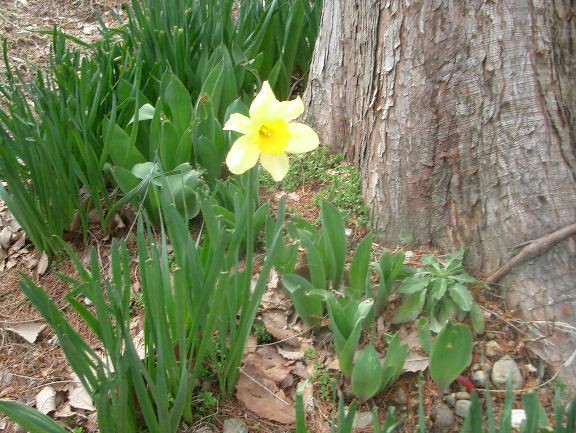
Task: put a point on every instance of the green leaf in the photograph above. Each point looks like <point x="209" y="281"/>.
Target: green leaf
<point x="146" y="112"/>
<point x="536" y="418"/>
<point x="412" y="285"/>
<point x="411" y="307"/>
<point x="451" y="353"/>
<point x="462" y="296"/>
<point x="176" y="101"/>
<point x="169" y="141"/>
<point x="477" y="318"/>
<point x="424" y="334"/>
<point x="122" y="152"/>
<point x="335" y="234"/>
<point x="393" y="362"/>
<point x="308" y="303"/>
<point x="30" y="419"/>
<point x="359" y="275"/>
<point x="438" y="289"/>
<point x="365" y="374"/>
<point x="315" y="264"/>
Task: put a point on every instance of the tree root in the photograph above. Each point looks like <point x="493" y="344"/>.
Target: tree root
<point x="533" y="249"/>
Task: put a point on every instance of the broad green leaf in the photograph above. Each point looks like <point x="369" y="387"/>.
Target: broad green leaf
<point x="146" y="112"/>
<point x="438" y="288"/>
<point x="536" y="419"/>
<point x="462" y="296"/>
<point x="169" y="141"/>
<point x="122" y="152"/>
<point x="451" y="353"/>
<point x="176" y="102"/>
<point x="411" y="307"/>
<point x="30" y="419"/>
<point x="359" y="268"/>
<point x="424" y="334"/>
<point x="393" y="362"/>
<point x="315" y="264"/>
<point x="477" y="318"/>
<point x="366" y="373"/>
<point x="412" y="285"/>
<point x="308" y="305"/>
<point x="335" y="235"/>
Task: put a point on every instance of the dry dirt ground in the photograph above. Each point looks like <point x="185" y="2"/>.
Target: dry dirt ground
<point x="30" y="359"/>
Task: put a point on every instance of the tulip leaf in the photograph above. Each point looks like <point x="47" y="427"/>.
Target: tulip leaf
<point x="365" y="374"/>
<point x="308" y="303"/>
<point x="359" y="267"/>
<point x="334" y="233"/>
<point x="451" y="353"/>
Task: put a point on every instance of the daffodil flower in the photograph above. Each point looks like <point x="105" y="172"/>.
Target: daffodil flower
<point x="269" y="135"/>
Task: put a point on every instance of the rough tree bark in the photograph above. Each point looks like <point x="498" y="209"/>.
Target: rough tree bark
<point x="461" y="118"/>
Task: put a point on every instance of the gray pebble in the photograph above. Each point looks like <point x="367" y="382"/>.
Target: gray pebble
<point x="450" y="399"/>
<point x="443" y="418"/>
<point x="462" y="408"/>
<point x="400" y="397"/>
<point x="480" y="379"/>
<point x="492" y="349"/>
<point x="362" y="420"/>
<point x="233" y="425"/>
<point x="504" y="369"/>
<point x="462" y="395"/>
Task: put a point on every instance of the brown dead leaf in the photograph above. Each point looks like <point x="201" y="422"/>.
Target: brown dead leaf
<point x="3" y="254"/>
<point x="2" y="423"/>
<point x="65" y="412"/>
<point x="265" y="399"/>
<point x="5" y="237"/>
<point x="42" y="264"/>
<point x="415" y="362"/>
<point x="289" y="355"/>
<point x="267" y="363"/>
<point x="28" y="331"/>
<point x="16" y="246"/>
<point x="46" y="400"/>
<point x="275" y="322"/>
<point x="80" y="399"/>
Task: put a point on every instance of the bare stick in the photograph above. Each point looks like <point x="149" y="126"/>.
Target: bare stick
<point x="534" y="249"/>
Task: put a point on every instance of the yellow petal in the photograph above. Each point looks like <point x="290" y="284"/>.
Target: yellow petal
<point x="302" y="138"/>
<point x="239" y="123"/>
<point x="275" y="164"/>
<point x="290" y="110"/>
<point x="265" y="103"/>
<point x="243" y="155"/>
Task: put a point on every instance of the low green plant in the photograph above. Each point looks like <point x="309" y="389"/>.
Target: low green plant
<point x="261" y="333"/>
<point x="324" y="382"/>
<point x="371" y="376"/>
<point x="439" y="291"/>
<point x="192" y="318"/>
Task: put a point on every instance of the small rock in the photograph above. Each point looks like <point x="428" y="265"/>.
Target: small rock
<point x="450" y="399"/>
<point x="462" y="395"/>
<point x="409" y="254"/>
<point x="462" y="408"/>
<point x="530" y="369"/>
<point x="504" y="369"/>
<point x="400" y="397"/>
<point x="480" y="379"/>
<point x="363" y="420"/>
<point x="492" y="349"/>
<point x="518" y="415"/>
<point x="443" y="418"/>
<point x="233" y="425"/>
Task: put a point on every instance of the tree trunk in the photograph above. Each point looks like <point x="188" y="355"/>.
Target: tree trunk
<point x="461" y="118"/>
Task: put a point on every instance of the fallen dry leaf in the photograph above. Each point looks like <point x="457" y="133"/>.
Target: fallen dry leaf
<point x="28" y="331"/>
<point x="275" y="322"/>
<point x="265" y="399"/>
<point x="65" y="411"/>
<point x="42" y="264"/>
<point x="46" y="400"/>
<point x="289" y="355"/>
<point x="2" y="424"/>
<point x="5" y="237"/>
<point x="266" y="362"/>
<point x="416" y="362"/>
<point x="80" y="399"/>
